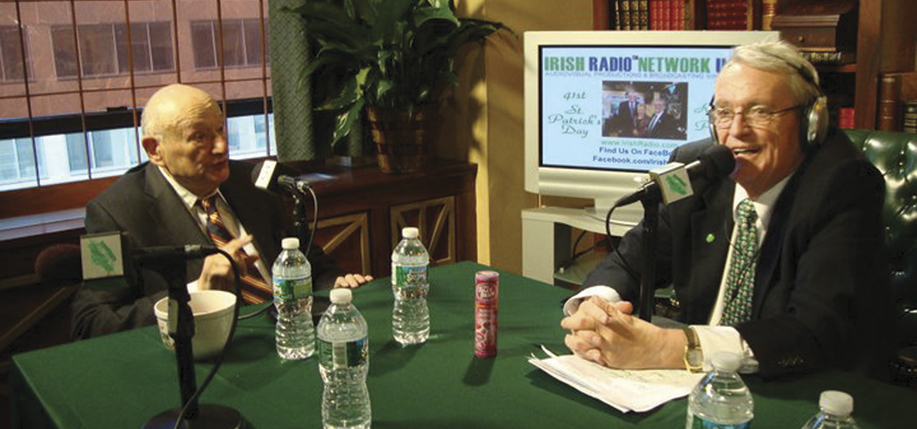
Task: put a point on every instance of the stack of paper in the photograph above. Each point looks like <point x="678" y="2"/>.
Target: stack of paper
<point x="626" y="390"/>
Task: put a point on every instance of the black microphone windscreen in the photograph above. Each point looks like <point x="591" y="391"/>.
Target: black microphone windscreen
<point x="718" y="160"/>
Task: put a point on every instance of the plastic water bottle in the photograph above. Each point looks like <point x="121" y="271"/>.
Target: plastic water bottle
<point x="343" y="361"/>
<point x="410" y="316"/>
<point x="836" y="408"/>
<point x="721" y="399"/>
<point x="292" y="278"/>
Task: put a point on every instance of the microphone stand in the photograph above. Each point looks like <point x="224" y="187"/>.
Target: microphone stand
<point x="181" y="330"/>
<point x="648" y="277"/>
<point x="300" y="219"/>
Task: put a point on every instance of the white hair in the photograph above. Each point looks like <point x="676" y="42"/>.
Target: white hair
<point x="780" y="57"/>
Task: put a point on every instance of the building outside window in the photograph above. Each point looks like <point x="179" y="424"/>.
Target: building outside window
<point x="241" y="43"/>
<point x="104" y="49"/>
<point x="11" y="69"/>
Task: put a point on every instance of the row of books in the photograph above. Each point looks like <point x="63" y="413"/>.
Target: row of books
<point x="676" y="14"/>
<point x="897" y="103"/>
<point x="667" y="15"/>
<point x="910" y="116"/>
<point x="649" y="14"/>
<point x="845" y="117"/>
<point x="728" y="15"/>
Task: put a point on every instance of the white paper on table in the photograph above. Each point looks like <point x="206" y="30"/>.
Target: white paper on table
<point x="625" y="390"/>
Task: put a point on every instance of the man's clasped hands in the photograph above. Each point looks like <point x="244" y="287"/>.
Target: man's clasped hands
<point x="608" y="334"/>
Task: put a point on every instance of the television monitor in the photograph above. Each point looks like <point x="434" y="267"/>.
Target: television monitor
<point x="581" y="138"/>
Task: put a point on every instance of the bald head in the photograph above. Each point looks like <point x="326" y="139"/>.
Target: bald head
<point x="165" y="109"/>
<point x="183" y="132"/>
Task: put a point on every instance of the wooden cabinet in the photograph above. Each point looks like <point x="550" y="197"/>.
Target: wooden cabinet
<point x="884" y="44"/>
<point x="362" y="211"/>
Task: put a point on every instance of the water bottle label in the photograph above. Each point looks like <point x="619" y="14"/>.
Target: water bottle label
<point x="412" y="281"/>
<point x="290" y="289"/>
<point x="699" y="423"/>
<point x="343" y="355"/>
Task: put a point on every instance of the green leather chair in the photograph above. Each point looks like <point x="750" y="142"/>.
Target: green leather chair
<point x="895" y="155"/>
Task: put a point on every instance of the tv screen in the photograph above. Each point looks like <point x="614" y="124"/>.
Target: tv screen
<point x="603" y="108"/>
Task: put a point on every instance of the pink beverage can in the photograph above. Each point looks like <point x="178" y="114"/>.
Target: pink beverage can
<point x="486" y="287"/>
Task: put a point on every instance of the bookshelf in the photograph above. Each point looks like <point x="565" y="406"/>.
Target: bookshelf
<point x="885" y="43"/>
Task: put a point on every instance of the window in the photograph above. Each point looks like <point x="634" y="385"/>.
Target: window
<point x="91" y="66"/>
<point x="11" y="69"/>
<point x="104" y="49"/>
<point x="241" y="43"/>
<point x="17" y="161"/>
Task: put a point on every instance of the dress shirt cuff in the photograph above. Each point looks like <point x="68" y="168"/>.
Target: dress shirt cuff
<point x="715" y="339"/>
<point x="607" y="293"/>
<point x="192" y="287"/>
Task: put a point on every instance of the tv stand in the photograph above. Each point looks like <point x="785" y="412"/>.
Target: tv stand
<point x="546" y="235"/>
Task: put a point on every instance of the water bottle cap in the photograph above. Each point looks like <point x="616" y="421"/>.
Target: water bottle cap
<point x="341" y="296"/>
<point x="290" y="243"/>
<point x="726" y="361"/>
<point x="410" y="232"/>
<point x="836" y="402"/>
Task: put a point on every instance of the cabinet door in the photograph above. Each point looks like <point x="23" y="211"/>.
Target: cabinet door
<point x="346" y="240"/>
<point x="436" y="221"/>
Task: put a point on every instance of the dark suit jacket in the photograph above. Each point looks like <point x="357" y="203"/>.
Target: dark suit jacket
<point x="625" y="119"/>
<point x="821" y="296"/>
<point x="143" y="204"/>
<point x="665" y="128"/>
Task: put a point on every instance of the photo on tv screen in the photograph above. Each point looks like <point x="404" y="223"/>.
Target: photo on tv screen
<point x="644" y="109"/>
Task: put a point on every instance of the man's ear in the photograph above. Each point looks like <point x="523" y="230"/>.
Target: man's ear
<point x="152" y="145"/>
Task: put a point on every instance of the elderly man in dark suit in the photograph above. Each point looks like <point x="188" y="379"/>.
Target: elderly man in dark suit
<point x="168" y="201"/>
<point x="784" y="264"/>
<point x="625" y="121"/>
<point x="662" y="125"/>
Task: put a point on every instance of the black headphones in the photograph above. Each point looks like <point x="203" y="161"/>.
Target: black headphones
<point x="813" y="124"/>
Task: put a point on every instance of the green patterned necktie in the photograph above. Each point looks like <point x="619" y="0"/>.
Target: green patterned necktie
<point x="741" y="280"/>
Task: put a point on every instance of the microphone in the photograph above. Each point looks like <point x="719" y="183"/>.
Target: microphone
<point x="188" y="251"/>
<point x="271" y="176"/>
<point x="674" y="180"/>
<point x="110" y="255"/>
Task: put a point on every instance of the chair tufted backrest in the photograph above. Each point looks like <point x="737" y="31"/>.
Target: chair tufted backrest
<point x="895" y="155"/>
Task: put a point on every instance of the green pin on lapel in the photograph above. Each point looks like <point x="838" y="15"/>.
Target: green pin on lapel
<point x="710" y="238"/>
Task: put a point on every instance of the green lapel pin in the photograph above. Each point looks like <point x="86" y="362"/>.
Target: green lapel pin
<point x="710" y="238"/>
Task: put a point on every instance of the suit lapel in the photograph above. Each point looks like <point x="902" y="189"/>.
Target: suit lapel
<point x="170" y="216"/>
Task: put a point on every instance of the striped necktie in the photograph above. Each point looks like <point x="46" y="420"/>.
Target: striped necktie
<point x="741" y="278"/>
<point x="254" y="289"/>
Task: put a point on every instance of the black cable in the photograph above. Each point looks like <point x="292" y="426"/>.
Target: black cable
<point x="574" y="255"/>
<point x="308" y="244"/>
<point x="627" y="267"/>
<point x="314" y="220"/>
<point x="219" y="359"/>
<point x="255" y="313"/>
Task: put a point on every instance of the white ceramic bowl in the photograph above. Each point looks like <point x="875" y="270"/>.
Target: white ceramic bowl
<point x="213" y="311"/>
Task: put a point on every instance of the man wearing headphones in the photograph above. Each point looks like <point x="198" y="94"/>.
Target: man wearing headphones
<point x="783" y="264"/>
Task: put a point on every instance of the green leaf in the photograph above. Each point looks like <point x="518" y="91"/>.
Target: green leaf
<point x="346" y="120"/>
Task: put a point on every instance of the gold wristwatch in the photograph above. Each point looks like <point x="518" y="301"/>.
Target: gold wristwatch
<point x="694" y="356"/>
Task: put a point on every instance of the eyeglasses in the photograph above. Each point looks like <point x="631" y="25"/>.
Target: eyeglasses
<point x="755" y="116"/>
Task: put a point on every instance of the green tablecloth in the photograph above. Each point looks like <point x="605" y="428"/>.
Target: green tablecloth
<point x="121" y="380"/>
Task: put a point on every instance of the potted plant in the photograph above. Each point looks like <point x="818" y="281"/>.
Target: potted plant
<point x="392" y="57"/>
